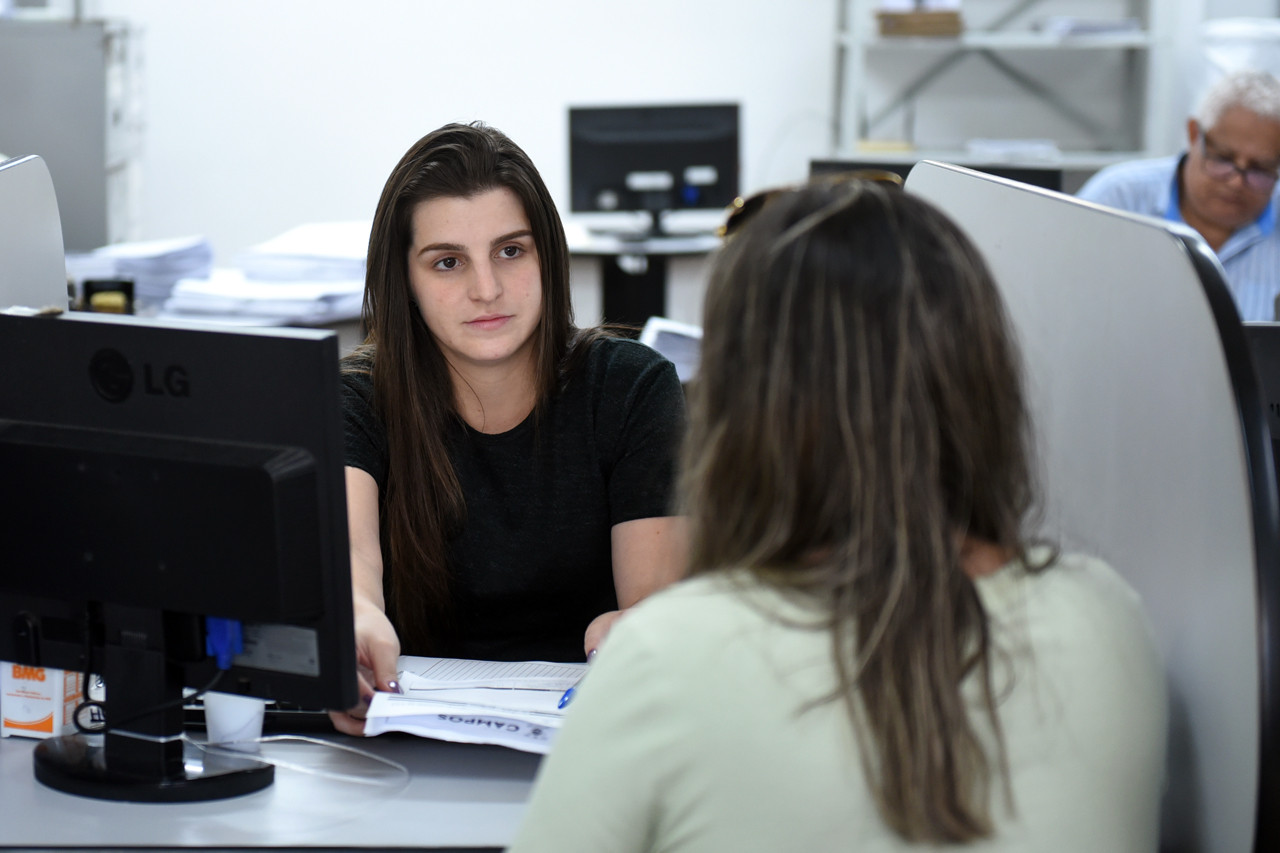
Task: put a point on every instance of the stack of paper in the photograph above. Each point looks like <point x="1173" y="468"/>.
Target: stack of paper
<point x="1014" y="150"/>
<point x="228" y="295"/>
<point x="310" y="275"/>
<point x="154" y="266"/>
<point x="317" y="251"/>
<point x="512" y="704"/>
<point x="1064" y="26"/>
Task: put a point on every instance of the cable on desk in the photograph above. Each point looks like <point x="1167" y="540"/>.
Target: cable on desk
<point x="97" y="711"/>
<point x="400" y="772"/>
<point x="223" y="640"/>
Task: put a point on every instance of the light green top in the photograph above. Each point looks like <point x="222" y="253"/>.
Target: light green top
<point x="691" y="731"/>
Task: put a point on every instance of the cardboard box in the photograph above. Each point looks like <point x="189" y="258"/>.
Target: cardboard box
<point x="923" y="23"/>
<point x="37" y="701"/>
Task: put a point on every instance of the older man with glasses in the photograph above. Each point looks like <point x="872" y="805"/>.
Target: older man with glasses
<point x="1223" y="186"/>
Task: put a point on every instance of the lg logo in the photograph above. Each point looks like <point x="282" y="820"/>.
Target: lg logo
<point x="113" y="377"/>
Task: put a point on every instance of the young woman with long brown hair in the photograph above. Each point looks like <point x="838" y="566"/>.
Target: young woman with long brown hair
<point x="871" y="652"/>
<point x="509" y="476"/>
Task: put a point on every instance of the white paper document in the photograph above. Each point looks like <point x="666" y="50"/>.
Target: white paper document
<point x="230" y="292"/>
<point x="512" y="704"/>
<point x="315" y="251"/>
<point x="154" y="266"/>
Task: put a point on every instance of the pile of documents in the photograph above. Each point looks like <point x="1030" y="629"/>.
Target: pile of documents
<point x="1014" y="150"/>
<point x="228" y="295"/>
<point x="512" y="704"/>
<point x="1065" y="26"/>
<point x="154" y="266"/>
<point x="317" y="251"/>
<point x="311" y="274"/>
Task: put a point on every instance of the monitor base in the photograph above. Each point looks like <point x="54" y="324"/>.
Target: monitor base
<point x="77" y="764"/>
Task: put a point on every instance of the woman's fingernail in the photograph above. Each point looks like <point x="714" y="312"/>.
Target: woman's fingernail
<point x="394" y="687"/>
<point x="591" y="655"/>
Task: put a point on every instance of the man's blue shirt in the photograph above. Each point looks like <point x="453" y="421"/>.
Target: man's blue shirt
<point x="1250" y="257"/>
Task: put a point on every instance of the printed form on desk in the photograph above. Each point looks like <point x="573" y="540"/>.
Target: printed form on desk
<point x="508" y="703"/>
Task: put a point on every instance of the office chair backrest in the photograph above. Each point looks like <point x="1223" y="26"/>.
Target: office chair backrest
<point x="33" y="269"/>
<point x="1156" y="457"/>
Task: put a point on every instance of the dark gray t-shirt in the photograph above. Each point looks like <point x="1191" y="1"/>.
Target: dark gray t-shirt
<point x="532" y="564"/>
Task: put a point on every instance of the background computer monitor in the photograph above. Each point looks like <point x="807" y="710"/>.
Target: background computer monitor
<point x="653" y="159"/>
<point x="156" y="474"/>
<point x="1046" y="177"/>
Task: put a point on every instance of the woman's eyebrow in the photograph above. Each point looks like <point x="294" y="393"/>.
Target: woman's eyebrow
<point x="456" y="247"/>
<point x="514" y="235"/>
<point x="441" y="247"/>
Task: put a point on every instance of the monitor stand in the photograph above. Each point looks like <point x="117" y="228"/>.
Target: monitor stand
<point x="654" y="231"/>
<point x="145" y="760"/>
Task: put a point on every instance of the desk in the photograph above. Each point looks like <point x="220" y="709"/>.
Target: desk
<point x="350" y="331"/>
<point x="633" y="272"/>
<point x="459" y="796"/>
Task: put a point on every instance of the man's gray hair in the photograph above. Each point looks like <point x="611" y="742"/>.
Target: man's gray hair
<point x="1256" y="91"/>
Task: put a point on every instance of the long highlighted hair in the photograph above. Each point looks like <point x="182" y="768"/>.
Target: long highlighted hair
<point x="857" y="416"/>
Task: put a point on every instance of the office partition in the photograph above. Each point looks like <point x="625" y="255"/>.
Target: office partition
<point x="1155" y="456"/>
<point x="33" y="269"/>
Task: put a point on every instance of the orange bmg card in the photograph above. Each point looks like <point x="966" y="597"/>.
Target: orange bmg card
<point x="37" y="701"/>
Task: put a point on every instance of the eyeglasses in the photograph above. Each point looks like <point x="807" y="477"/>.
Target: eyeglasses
<point x="744" y="208"/>
<point x="1222" y="166"/>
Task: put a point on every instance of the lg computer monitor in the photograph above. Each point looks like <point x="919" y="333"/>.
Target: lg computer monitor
<point x="653" y="159"/>
<point x="164" y="483"/>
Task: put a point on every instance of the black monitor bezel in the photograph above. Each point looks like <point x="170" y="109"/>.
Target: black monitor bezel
<point x="239" y="372"/>
<point x="606" y="142"/>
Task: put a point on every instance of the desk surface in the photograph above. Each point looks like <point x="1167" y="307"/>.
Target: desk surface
<point x="457" y="796"/>
<point x="584" y="242"/>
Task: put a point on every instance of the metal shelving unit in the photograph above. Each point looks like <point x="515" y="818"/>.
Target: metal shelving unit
<point x="1004" y="40"/>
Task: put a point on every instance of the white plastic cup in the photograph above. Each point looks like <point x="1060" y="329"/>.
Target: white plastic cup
<point x="234" y="721"/>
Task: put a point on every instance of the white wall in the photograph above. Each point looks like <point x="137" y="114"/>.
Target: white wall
<point x="1242" y="8"/>
<point x="262" y="114"/>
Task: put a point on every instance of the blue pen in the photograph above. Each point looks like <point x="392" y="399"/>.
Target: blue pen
<point x="568" y="694"/>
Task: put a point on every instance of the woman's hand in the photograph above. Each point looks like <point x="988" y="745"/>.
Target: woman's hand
<point x="377" y="651"/>
<point x="596" y="631"/>
<point x="377" y="646"/>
